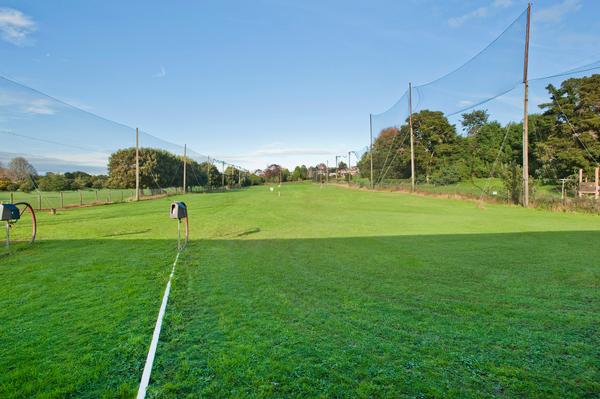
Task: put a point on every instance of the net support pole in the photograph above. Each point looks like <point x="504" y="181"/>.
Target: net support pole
<point x="371" y="146"/>
<point x="184" y="168"/>
<point x="223" y="175"/>
<point x="349" y="175"/>
<point x="137" y="164"/>
<point x="208" y="171"/>
<point x="526" y="114"/>
<point x="412" y="145"/>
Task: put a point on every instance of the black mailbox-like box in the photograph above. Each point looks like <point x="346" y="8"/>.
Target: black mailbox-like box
<point x="178" y="210"/>
<point x="9" y="212"/>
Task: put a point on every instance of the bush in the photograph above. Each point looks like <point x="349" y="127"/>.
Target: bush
<point x="449" y="174"/>
<point x="26" y="185"/>
<point x="5" y="184"/>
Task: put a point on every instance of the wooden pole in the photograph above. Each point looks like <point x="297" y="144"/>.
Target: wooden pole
<point x="223" y="176"/>
<point x="184" y="168"/>
<point x="62" y="200"/>
<point x="208" y="172"/>
<point x="137" y="164"/>
<point x="349" y="175"/>
<point x="597" y="193"/>
<point x="412" y="145"/>
<point x="526" y="114"/>
<point x="371" y="147"/>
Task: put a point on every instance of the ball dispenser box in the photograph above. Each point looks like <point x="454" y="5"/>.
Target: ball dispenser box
<point x="9" y="212"/>
<point x="178" y="210"/>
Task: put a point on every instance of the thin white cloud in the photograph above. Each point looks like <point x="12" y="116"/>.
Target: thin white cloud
<point x="161" y="74"/>
<point x="15" y="27"/>
<point x="27" y="105"/>
<point x="556" y="12"/>
<point x="502" y="3"/>
<point x="39" y="107"/>
<point x="456" y="22"/>
<point x="481" y="12"/>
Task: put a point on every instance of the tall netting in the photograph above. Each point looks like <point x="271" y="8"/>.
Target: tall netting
<point x="389" y="146"/>
<point x="468" y="130"/>
<point x="55" y="155"/>
<point x="496" y="70"/>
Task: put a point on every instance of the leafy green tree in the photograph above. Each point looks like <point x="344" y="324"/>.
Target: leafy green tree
<point x="54" y="182"/>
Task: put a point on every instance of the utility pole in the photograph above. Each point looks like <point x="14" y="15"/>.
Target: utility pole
<point x="371" y="147"/>
<point x="223" y="175"/>
<point x="137" y="164"/>
<point x="349" y="175"/>
<point x="412" y="144"/>
<point x="526" y="114"/>
<point x="184" y="168"/>
<point x="208" y="171"/>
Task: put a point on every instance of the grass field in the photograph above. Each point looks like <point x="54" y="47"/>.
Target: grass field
<point x="319" y="292"/>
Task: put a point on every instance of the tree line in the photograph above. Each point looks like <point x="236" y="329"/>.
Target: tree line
<point x="563" y="137"/>
<point x="158" y="169"/>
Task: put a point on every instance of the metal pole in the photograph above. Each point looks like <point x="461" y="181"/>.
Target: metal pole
<point x="412" y="145"/>
<point x="178" y="234"/>
<point x="526" y="115"/>
<point x="184" y="167"/>
<point x="62" y="200"/>
<point x="7" y="235"/>
<point x="371" y="147"/>
<point x="137" y="164"/>
<point x="327" y="174"/>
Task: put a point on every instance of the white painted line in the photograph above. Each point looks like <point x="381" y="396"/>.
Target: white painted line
<point x="154" y="343"/>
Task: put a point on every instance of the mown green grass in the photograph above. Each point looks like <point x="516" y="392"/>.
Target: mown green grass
<point x="337" y="293"/>
<point x="319" y="292"/>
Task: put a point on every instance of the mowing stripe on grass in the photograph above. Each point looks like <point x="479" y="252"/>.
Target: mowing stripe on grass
<point x="154" y="343"/>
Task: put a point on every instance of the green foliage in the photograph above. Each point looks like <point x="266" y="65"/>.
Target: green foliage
<point x="158" y="169"/>
<point x="564" y="138"/>
<point x="26" y="185"/>
<point x="53" y="182"/>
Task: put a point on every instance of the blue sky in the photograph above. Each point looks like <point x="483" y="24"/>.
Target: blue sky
<point x="256" y="82"/>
